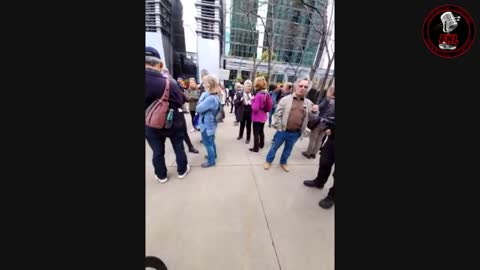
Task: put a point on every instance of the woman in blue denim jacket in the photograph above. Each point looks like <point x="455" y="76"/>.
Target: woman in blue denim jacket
<point x="208" y="106"/>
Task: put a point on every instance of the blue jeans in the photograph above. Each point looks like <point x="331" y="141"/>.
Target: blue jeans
<point x="270" y="115"/>
<point x="209" y="143"/>
<point x="287" y="137"/>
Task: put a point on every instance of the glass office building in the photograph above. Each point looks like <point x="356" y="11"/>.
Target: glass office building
<point x="285" y="27"/>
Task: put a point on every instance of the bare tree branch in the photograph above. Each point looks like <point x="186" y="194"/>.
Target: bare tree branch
<point x="266" y="33"/>
<point x="308" y="8"/>
<point x="331" y="80"/>
<point x="324" y="81"/>
<point x="299" y="64"/>
<point x="252" y="30"/>
<point x="314" y="8"/>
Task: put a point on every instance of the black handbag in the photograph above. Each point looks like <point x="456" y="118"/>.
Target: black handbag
<point x="313" y="123"/>
<point x="323" y="122"/>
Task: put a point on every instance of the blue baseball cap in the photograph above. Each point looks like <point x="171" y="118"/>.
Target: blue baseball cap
<point x="150" y="51"/>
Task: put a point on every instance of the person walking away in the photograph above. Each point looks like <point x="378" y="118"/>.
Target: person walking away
<point x="222" y="95"/>
<point x="290" y="121"/>
<point x="327" y="161"/>
<point x="155" y="85"/>
<point x="261" y="104"/>
<point x="245" y="111"/>
<point x="326" y="110"/>
<point x="208" y="106"/>
<point x="237" y="101"/>
<point x="231" y="95"/>
<point x="183" y="87"/>
<point x="181" y="84"/>
<point x="191" y="148"/>
<point x="285" y="91"/>
<point x="273" y="95"/>
<point x="193" y="96"/>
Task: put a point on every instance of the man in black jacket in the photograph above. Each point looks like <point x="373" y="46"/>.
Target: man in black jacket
<point x="327" y="160"/>
<point x="237" y="101"/>
<point x="231" y="96"/>
<point x="155" y="84"/>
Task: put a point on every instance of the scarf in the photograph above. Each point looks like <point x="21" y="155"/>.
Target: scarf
<point x="247" y="98"/>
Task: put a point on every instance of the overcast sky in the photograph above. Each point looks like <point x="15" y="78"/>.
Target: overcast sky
<point x="189" y="25"/>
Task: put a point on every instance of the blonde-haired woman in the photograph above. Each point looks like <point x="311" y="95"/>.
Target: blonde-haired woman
<point x="245" y="111"/>
<point x="207" y="107"/>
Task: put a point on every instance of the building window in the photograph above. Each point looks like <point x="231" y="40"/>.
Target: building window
<point x="151" y="22"/>
<point x="292" y="78"/>
<point x="245" y="75"/>
<point x="207" y="11"/>
<point x="279" y="78"/>
<point x="233" y="74"/>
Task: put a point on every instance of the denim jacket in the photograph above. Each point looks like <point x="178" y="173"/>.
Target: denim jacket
<point x="207" y="108"/>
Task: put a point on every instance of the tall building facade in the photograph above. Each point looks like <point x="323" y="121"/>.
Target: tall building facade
<point x="158" y="28"/>
<point x="252" y="27"/>
<point x="164" y="31"/>
<point x="210" y="33"/>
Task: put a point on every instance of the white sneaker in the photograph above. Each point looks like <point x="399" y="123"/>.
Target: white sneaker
<point x="185" y="174"/>
<point x="162" y="181"/>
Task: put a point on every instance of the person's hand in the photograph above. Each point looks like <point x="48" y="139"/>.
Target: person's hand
<point x="328" y="132"/>
<point x="315" y="108"/>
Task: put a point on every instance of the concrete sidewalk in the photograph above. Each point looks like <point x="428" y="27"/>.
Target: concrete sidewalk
<point x="237" y="216"/>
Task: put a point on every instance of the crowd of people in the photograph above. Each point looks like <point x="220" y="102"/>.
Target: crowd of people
<point x="285" y="107"/>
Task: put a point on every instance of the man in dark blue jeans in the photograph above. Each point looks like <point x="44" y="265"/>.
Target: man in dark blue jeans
<point x="155" y="85"/>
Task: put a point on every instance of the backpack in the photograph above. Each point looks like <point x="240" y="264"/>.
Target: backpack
<point x="267" y="105"/>
<point x="220" y="113"/>
<point x="238" y="96"/>
<point x="156" y="113"/>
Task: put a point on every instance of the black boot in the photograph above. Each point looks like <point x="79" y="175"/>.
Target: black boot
<point x="305" y="154"/>
<point x="312" y="183"/>
<point x="193" y="150"/>
<point x="326" y="203"/>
